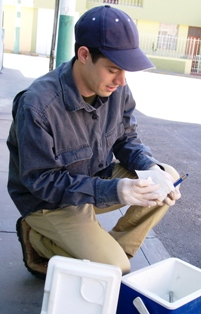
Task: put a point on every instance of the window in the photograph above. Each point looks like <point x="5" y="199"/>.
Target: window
<point x="167" y="36"/>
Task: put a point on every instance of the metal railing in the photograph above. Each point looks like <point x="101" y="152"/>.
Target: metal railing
<point x="196" y="65"/>
<point x="170" y="46"/>
<point x="132" y="3"/>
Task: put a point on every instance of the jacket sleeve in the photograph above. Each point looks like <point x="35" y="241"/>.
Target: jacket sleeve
<point x="129" y="149"/>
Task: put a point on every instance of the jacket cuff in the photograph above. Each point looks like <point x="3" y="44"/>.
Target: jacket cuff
<point x="106" y="193"/>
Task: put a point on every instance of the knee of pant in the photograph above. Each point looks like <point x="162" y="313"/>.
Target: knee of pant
<point x="125" y="267"/>
<point x="172" y="171"/>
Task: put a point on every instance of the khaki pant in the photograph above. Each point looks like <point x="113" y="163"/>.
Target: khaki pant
<point x="75" y="232"/>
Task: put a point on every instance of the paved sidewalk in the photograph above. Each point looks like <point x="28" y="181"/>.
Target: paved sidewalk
<point x="20" y="291"/>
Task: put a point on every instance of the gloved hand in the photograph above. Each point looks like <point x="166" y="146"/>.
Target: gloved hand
<point x="173" y="195"/>
<point x="137" y="192"/>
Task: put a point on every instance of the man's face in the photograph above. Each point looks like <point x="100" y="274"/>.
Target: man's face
<point x="103" y="77"/>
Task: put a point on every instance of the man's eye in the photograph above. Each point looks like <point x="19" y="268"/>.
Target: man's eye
<point x="113" y="71"/>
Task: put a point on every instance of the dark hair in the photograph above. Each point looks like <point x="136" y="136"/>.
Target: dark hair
<point x="95" y="52"/>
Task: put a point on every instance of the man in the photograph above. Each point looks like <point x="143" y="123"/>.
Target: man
<point x="66" y="127"/>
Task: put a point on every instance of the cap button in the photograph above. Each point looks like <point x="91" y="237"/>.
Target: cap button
<point x="107" y="6"/>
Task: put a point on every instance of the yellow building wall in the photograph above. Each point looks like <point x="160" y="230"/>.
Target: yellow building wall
<point x="26" y="25"/>
<point x="185" y="12"/>
<point x="45" y="4"/>
<point x="183" y="31"/>
<point x="9" y="26"/>
<point x="26" y="30"/>
<point x="145" y="27"/>
<point x="81" y="6"/>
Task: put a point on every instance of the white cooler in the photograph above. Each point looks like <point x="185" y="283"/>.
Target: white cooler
<point x="80" y="287"/>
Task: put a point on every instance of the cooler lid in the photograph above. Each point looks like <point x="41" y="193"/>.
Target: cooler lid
<point x="79" y="286"/>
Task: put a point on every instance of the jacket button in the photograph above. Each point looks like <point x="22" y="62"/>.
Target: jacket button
<point x="100" y="165"/>
<point x="95" y="116"/>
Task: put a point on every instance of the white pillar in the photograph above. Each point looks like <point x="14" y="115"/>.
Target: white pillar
<point x="17" y="27"/>
<point x="1" y="35"/>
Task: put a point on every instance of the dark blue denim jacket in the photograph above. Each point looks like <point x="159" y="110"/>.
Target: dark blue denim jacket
<point x="58" y="143"/>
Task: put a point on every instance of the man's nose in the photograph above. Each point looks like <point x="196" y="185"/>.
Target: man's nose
<point x="120" y="78"/>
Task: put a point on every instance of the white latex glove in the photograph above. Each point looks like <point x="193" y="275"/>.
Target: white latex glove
<point x="139" y="192"/>
<point x="174" y="194"/>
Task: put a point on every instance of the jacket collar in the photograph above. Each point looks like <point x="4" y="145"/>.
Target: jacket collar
<point x="72" y="98"/>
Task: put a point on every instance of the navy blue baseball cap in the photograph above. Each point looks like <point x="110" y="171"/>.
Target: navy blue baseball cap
<point x="115" y="34"/>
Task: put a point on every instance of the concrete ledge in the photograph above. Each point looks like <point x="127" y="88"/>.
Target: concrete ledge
<point x="176" y="65"/>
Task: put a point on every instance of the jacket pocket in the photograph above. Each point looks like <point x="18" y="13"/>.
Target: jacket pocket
<point x="77" y="160"/>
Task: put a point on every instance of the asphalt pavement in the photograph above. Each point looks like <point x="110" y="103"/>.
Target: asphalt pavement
<point x="169" y="121"/>
<point x="20" y="291"/>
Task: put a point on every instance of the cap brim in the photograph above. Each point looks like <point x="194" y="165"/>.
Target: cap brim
<point x="129" y="60"/>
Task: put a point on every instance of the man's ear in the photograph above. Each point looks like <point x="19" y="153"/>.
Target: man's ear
<point x="83" y="54"/>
